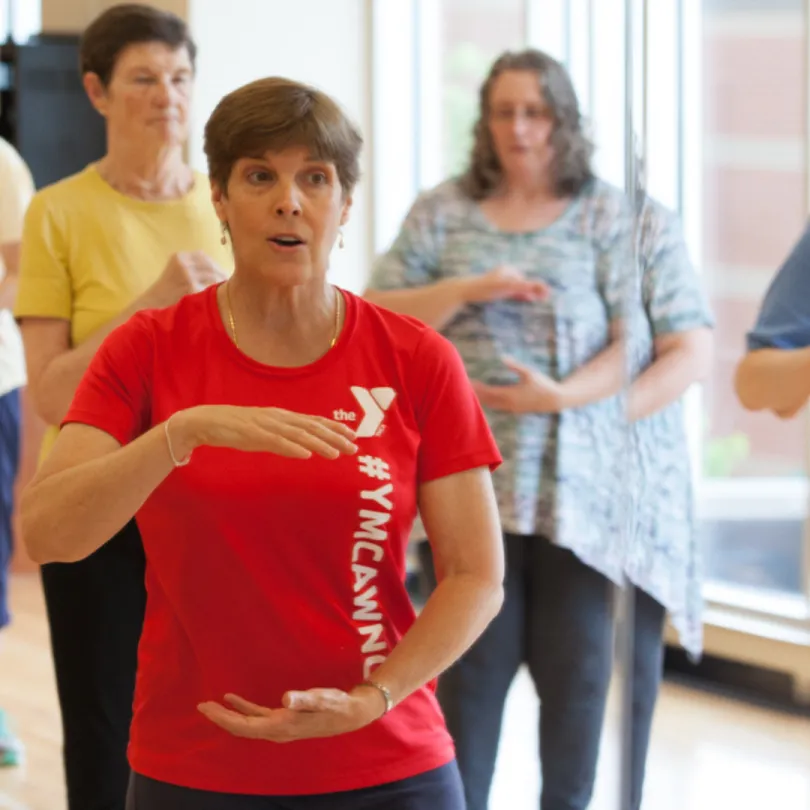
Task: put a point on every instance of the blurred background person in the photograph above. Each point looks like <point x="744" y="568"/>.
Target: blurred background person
<point x="774" y="374"/>
<point x="524" y="264"/>
<point x="135" y="230"/>
<point x="16" y="190"/>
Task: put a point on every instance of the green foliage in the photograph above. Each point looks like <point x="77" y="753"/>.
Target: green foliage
<point x="466" y="66"/>
<point x="724" y="454"/>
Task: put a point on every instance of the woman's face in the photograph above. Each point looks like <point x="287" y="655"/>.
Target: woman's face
<point x="148" y="96"/>
<point x="521" y="124"/>
<point x="283" y="211"/>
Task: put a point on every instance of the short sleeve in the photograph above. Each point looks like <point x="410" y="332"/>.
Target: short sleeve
<point x="612" y="237"/>
<point x="44" y="287"/>
<point x="784" y="318"/>
<point x="16" y="191"/>
<point x="114" y="394"/>
<point x="413" y="258"/>
<point x="455" y="435"/>
<point x="673" y="296"/>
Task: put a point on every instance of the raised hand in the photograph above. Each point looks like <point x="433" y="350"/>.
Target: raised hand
<point x="534" y="392"/>
<point x="184" y="273"/>
<point x="260" y="430"/>
<point x="504" y="282"/>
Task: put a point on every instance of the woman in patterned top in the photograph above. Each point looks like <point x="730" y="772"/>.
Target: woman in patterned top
<point x="523" y="263"/>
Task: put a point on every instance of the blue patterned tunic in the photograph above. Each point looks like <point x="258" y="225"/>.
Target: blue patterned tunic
<point x="619" y="496"/>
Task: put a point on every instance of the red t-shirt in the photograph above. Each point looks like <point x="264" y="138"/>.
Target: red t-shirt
<point x="266" y="574"/>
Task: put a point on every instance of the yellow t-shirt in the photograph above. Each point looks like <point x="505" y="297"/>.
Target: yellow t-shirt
<point x="89" y="251"/>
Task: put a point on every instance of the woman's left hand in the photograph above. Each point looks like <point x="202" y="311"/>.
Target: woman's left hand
<point x="305" y="715"/>
<point x="534" y="392"/>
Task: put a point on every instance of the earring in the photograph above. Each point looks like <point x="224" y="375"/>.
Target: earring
<point x="224" y="239"/>
<point x="341" y="240"/>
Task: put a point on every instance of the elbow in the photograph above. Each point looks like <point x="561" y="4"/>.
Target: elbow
<point x="34" y="539"/>
<point x="46" y="405"/>
<point x="39" y="540"/>
<point x="496" y="599"/>
<point x="492" y="593"/>
<point x="697" y="348"/>
<point x="749" y="393"/>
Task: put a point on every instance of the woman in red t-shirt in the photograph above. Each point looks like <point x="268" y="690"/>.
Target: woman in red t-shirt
<point x="274" y="436"/>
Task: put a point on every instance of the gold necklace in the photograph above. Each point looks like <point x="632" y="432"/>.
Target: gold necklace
<point x="232" y="323"/>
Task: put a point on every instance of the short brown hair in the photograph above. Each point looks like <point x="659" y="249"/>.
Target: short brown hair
<point x="129" y="24"/>
<point x="573" y="149"/>
<point x="275" y="114"/>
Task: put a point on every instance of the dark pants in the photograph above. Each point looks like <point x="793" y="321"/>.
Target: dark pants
<point x="9" y="465"/>
<point x="95" y="610"/>
<point x="435" y="790"/>
<point x="557" y="618"/>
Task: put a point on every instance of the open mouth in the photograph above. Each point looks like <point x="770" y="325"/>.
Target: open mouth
<point x="286" y="241"/>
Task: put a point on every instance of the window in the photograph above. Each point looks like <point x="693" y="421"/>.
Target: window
<point x="726" y="146"/>
<point x="473" y="34"/>
<point x="754" y="208"/>
<point x="754" y="204"/>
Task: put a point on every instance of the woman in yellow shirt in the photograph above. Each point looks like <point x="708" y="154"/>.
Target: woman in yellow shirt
<point x="134" y="231"/>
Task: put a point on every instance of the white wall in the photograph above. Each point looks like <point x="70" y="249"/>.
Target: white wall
<point x="320" y="42"/>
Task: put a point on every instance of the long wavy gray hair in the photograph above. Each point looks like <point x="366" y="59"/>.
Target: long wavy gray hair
<point x="571" y="165"/>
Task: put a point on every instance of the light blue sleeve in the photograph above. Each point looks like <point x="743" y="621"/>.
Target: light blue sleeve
<point x="674" y="298"/>
<point x="784" y="318"/>
<point x="413" y="258"/>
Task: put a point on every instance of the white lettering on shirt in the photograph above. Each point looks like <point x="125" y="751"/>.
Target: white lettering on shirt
<point x="378" y="495"/>
<point x="370" y="527"/>
<point x="373" y="643"/>
<point x="376" y="552"/>
<point x="363" y="574"/>
<point x="367" y="554"/>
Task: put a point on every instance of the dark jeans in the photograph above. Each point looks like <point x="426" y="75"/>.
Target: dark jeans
<point x="95" y="611"/>
<point x="557" y="618"/>
<point x="439" y="789"/>
<point x="9" y="465"/>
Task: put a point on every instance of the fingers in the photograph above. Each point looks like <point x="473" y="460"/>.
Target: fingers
<point x="313" y="713"/>
<point x="312" y="434"/>
<point x="246" y="707"/>
<point x="315" y="700"/>
<point x="530" y="291"/>
<point x="338" y="427"/>
<point x="235" y="723"/>
<point x="524" y="372"/>
<point x="492" y="396"/>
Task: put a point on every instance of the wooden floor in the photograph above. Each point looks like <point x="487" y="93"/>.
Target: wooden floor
<point x="708" y="753"/>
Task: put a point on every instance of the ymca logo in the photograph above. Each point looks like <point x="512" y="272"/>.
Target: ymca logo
<point x="374" y="403"/>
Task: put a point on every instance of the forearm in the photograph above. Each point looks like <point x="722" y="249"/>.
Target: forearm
<point x="8" y="292"/>
<point x="663" y="382"/>
<point x="52" y="394"/>
<point x="458" y="611"/>
<point x="600" y="378"/>
<point x="434" y="304"/>
<point x="70" y="514"/>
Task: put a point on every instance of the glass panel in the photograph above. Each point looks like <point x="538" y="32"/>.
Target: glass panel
<point x="754" y="208"/>
<point x="473" y="33"/>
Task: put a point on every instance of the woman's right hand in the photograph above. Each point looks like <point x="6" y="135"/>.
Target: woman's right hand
<point x="260" y="430"/>
<point x="501" y="283"/>
<point x="185" y="273"/>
